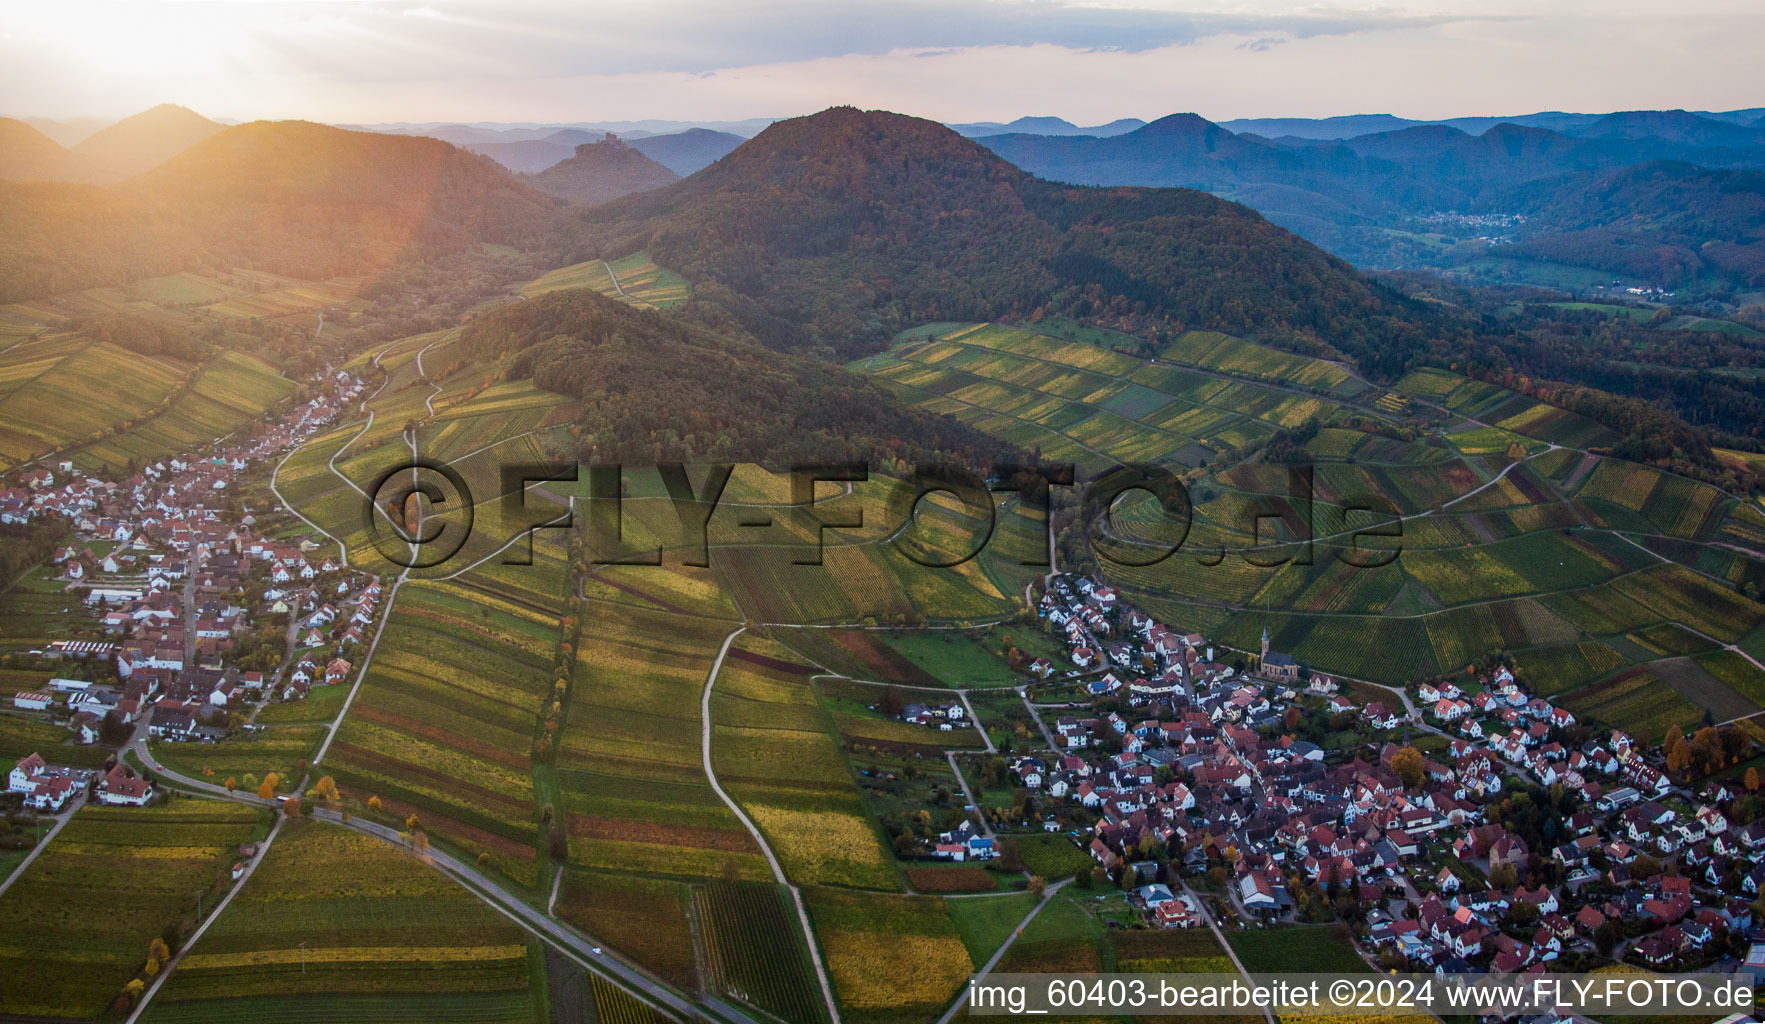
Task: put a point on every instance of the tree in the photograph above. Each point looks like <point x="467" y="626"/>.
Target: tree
<point x="132" y="991"/>
<point x="268" y="788"/>
<point x="894" y="700"/>
<point x="1674" y="747"/>
<point x="419" y="841"/>
<point x="1605" y="938"/>
<point x="232" y="783"/>
<point x="1503" y="876"/>
<point x="327" y="789"/>
<point x="412" y="823"/>
<point x="291" y="807"/>
<point x="1409" y="766"/>
<point x="1038" y="885"/>
<point x="1752" y="779"/>
<point x="158" y="952"/>
<point x="373" y="803"/>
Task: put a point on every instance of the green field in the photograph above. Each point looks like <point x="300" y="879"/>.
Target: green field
<point x="334" y="920"/>
<point x="443" y="724"/>
<point x="1493" y="557"/>
<point x="78" y="922"/>
<point x="775" y="750"/>
<point x="635" y="278"/>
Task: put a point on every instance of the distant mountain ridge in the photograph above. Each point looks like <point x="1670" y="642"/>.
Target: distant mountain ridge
<point x="690" y="151"/>
<point x="1366" y="197"/>
<point x="145" y="141"/>
<point x="110" y="154"/>
<point x="600" y="172"/>
<point x="290" y="197"/>
<point x="1350" y="125"/>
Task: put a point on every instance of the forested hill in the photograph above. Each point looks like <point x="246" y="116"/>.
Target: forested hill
<point x="837" y="230"/>
<point x="657" y="387"/>
<point x="288" y="197"/>
<point x="601" y="171"/>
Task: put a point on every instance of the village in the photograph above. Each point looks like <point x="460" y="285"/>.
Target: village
<point x="1454" y="827"/>
<point x="1453" y="831"/>
<point x="190" y="618"/>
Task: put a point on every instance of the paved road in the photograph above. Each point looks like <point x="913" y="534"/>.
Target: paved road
<point x="567" y="940"/>
<point x="1220" y="937"/>
<point x="999" y="954"/>
<point x="61" y="821"/>
<point x="1047" y="737"/>
<point x="178" y="957"/>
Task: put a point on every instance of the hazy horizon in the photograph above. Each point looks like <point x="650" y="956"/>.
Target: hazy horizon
<point x="546" y="61"/>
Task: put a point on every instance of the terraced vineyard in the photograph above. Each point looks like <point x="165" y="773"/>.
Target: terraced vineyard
<point x="78" y="922"/>
<point x="225" y="394"/>
<point x="891" y="958"/>
<point x="635" y="795"/>
<point x="774" y="750"/>
<point x="1514" y="537"/>
<point x="334" y="924"/>
<point x="635" y="278"/>
<point x="443" y="725"/>
<point x="747" y="927"/>
<point x="62" y="391"/>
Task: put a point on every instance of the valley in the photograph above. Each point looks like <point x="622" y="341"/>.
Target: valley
<point x="1436" y="636"/>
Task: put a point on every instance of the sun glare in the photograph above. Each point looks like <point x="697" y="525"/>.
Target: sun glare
<point x="135" y="41"/>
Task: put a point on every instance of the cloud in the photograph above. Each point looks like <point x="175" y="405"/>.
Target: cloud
<point x="556" y="38"/>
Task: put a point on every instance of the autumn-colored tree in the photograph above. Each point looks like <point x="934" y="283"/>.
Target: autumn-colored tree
<point x="419" y="841"/>
<point x="268" y="788"/>
<point x="1752" y="780"/>
<point x="484" y="859"/>
<point x="1706" y="749"/>
<point x="411" y="823"/>
<point x="327" y="789"/>
<point x="150" y="968"/>
<point x="1674" y="747"/>
<point x="1038" y="885"/>
<point x="373" y="803"/>
<point x="291" y="807"/>
<point x="158" y="952"/>
<point x="232" y="783"/>
<point x="132" y="991"/>
<point x="1409" y="766"/>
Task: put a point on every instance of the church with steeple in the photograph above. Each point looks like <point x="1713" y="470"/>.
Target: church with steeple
<point x="1274" y="664"/>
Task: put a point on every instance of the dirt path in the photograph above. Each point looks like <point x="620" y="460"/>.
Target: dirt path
<point x="833" y="1011"/>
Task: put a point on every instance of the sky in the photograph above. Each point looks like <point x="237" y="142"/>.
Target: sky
<point x="370" y="61"/>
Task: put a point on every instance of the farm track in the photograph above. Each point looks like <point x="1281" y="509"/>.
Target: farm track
<point x="342" y="549"/>
<point x="999" y="954"/>
<point x="833" y="1011"/>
